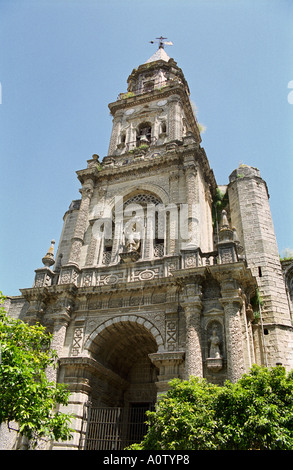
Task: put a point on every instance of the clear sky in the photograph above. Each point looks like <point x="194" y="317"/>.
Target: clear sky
<point x="63" y="61"/>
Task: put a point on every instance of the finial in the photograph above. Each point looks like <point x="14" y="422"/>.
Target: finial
<point x="48" y="259"/>
<point x="225" y="222"/>
<point x="225" y="233"/>
<point x="162" y="43"/>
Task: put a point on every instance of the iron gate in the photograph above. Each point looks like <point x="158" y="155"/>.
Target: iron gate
<point x="115" y="428"/>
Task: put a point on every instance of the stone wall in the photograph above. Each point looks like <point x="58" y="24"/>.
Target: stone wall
<point x="251" y="216"/>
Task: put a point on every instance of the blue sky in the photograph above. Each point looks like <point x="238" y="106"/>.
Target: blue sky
<point x="63" y="61"/>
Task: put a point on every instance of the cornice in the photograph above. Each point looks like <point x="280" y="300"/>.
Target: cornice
<point x="245" y="173"/>
<point x="168" y="154"/>
<point x="35" y="293"/>
<point x="167" y="357"/>
<point x="93" y="366"/>
<point x="147" y="97"/>
<point x="49" y="292"/>
<point x="231" y="271"/>
<point x="173" y="89"/>
<point x="138" y="166"/>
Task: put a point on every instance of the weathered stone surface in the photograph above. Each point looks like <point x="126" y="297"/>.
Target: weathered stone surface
<point x="135" y="299"/>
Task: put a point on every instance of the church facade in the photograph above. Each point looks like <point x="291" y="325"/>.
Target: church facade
<point x="159" y="272"/>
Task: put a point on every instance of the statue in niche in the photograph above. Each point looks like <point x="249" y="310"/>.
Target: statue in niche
<point x="215" y="345"/>
<point x="133" y="239"/>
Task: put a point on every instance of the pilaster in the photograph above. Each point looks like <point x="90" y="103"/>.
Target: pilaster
<point x="118" y="234"/>
<point x="115" y="132"/>
<point x="174" y="229"/>
<point x="175" y="118"/>
<point x="193" y="349"/>
<point x="192" y="201"/>
<point x="37" y="299"/>
<point x="81" y="223"/>
<point x="61" y="321"/>
<point x="232" y="303"/>
<point x="76" y="373"/>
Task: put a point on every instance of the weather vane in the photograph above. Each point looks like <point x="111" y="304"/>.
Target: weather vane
<point x="162" y="43"/>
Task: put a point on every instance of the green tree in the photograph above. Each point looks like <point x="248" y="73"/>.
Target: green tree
<point x="254" y="413"/>
<point x="27" y="397"/>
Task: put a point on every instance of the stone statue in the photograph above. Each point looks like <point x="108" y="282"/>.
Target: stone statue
<point x="215" y="345"/>
<point x="133" y="240"/>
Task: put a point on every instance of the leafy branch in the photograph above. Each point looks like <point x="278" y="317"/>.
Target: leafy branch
<point x="27" y="396"/>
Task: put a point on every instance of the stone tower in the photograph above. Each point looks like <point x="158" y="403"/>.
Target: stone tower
<point x="250" y="213"/>
<point x="151" y="280"/>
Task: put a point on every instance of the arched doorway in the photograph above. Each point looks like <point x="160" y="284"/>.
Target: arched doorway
<point x="126" y="387"/>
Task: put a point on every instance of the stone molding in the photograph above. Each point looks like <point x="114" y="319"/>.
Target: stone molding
<point x="140" y="320"/>
<point x="72" y="367"/>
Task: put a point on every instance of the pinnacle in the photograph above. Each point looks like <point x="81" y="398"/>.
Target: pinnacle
<point x="48" y="259"/>
<point x="160" y="54"/>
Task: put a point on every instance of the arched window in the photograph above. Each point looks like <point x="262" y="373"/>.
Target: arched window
<point x="144" y="212"/>
<point x="142" y="224"/>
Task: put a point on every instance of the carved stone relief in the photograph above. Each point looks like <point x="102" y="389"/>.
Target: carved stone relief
<point x="110" y="279"/>
<point x="42" y="280"/>
<point x="172" y="334"/>
<point x="77" y="340"/>
<point x="146" y="274"/>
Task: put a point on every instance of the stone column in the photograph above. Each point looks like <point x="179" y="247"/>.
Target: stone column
<point x="193" y="354"/>
<point x="37" y="307"/>
<point x="193" y="351"/>
<point x="61" y="322"/>
<point x="232" y="303"/>
<point x="174" y="229"/>
<point x="175" y="119"/>
<point x="118" y="232"/>
<point x="96" y="238"/>
<point x="90" y="258"/>
<point x="192" y="201"/>
<point x="115" y="132"/>
<point x="131" y="143"/>
<point x="76" y="374"/>
<point x="77" y="240"/>
<point x="150" y="232"/>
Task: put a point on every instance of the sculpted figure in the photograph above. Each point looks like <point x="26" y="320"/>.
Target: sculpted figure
<point x="215" y="345"/>
<point x="133" y="240"/>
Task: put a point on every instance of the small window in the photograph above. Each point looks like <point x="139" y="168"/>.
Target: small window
<point x="163" y="128"/>
<point x="144" y="134"/>
<point x="149" y="86"/>
<point x="121" y="140"/>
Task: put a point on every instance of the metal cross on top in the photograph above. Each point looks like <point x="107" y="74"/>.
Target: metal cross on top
<point x="162" y="43"/>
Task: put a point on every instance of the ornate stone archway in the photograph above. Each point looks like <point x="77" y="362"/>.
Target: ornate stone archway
<point x="122" y="346"/>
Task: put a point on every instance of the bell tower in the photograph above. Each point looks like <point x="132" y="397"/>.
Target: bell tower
<point x="150" y="281"/>
<point x="154" y="124"/>
<point x="155" y="109"/>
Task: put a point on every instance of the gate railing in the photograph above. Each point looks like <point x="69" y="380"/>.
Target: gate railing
<point x="114" y="428"/>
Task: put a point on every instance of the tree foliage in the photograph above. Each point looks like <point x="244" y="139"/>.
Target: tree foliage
<point x="27" y="396"/>
<point x="254" y="413"/>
